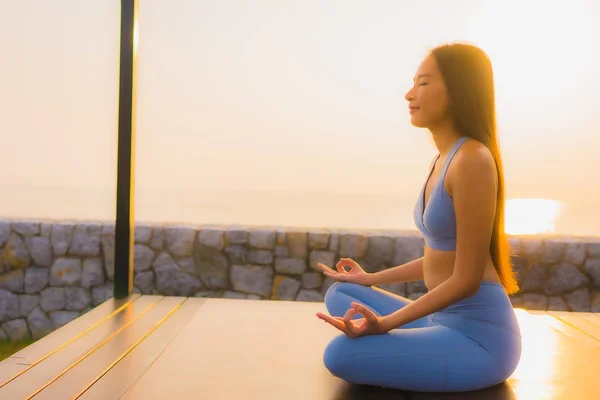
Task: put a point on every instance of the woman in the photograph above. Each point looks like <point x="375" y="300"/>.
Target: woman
<point x="462" y="334"/>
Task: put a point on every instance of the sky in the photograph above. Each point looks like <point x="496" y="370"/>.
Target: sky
<point x="288" y="97"/>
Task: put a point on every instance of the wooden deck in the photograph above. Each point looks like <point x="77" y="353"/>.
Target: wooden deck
<point x="154" y="347"/>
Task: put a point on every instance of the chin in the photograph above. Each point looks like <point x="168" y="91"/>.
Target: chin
<point x="416" y="122"/>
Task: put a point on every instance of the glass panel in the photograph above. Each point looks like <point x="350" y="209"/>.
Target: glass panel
<point x="59" y="95"/>
<point x="289" y="113"/>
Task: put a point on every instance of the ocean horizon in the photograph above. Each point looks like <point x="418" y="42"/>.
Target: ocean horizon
<point x="368" y="211"/>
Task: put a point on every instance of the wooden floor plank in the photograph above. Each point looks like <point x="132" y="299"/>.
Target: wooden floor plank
<point x="592" y="318"/>
<point x="273" y="350"/>
<point x="43" y="348"/>
<point x="121" y="377"/>
<point x="577" y="322"/>
<point x="245" y="350"/>
<point x="81" y="376"/>
<point x="283" y="351"/>
<point x="579" y="337"/>
<point x="555" y="361"/>
<point x="39" y="375"/>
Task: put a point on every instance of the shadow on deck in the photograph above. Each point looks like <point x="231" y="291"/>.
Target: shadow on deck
<point x="155" y="347"/>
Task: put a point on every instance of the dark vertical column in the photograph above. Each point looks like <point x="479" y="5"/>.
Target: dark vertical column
<point x="125" y="225"/>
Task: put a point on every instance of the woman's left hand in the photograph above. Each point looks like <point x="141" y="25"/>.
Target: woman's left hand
<point x="371" y="324"/>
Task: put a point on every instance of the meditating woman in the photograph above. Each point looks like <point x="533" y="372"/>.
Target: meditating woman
<point x="462" y="334"/>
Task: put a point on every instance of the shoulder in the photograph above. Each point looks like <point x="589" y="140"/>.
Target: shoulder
<point x="473" y="154"/>
<point x="473" y="162"/>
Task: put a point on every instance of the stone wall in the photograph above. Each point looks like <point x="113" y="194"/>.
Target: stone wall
<point x="52" y="272"/>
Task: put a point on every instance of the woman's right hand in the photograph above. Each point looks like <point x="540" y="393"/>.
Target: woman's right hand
<point x="355" y="275"/>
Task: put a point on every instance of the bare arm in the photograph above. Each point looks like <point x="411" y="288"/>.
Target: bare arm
<point x="473" y="186"/>
<point x="411" y="271"/>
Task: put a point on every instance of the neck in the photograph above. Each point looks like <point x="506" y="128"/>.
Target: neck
<point x="444" y="137"/>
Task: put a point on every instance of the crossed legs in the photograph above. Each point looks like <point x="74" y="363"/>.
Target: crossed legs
<point x="421" y="356"/>
<point x="341" y="294"/>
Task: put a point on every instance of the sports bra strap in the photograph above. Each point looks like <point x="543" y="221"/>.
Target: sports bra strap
<point x="450" y="156"/>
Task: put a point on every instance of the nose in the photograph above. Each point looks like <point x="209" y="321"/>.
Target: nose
<point x="409" y="96"/>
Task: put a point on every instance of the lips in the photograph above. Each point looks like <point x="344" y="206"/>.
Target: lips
<point x="413" y="109"/>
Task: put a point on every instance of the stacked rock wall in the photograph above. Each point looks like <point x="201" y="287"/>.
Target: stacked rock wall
<point x="52" y="272"/>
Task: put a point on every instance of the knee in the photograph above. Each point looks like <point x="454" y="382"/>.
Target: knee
<point x="339" y="295"/>
<point x="333" y="293"/>
<point x="334" y="288"/>
<point x="340" y="287"/>
<point x="334" y="356"/>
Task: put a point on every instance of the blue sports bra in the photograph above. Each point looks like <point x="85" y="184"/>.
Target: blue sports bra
<point x="437" y="221"/>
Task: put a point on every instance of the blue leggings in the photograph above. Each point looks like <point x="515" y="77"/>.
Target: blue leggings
<point x="473" y="344"/>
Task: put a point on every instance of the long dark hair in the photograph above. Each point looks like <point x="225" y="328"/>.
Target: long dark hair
<point x="469" y="78"/>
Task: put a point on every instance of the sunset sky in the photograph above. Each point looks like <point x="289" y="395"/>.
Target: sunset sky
<point x="288" y="96"/>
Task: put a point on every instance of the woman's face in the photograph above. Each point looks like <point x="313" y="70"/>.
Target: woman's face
<point x="428" y="98"/>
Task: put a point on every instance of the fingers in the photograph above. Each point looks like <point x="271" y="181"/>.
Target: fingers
<point x="340" y="276"/>
<point x="350" y="327"/>
<point x="335" y="322"/>
<point x="347" y="324"/>
<point x="340" y="267"/>
<point x="322" y="267"/>
<point x="325" y="269"/>
<point x="346" y="262"/>
<point x="364" y="311"/>
<point x="329" y="272"/>
<point x="368" y="325"/>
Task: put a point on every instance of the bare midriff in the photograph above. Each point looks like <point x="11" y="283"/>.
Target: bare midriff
<point x="438" y="267"/>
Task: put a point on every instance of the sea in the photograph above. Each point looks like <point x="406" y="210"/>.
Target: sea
<point x="362" y="211"/>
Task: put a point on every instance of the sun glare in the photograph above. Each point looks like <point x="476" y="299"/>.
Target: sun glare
<point x="531" y="216"/>
<point x="136" y="34"/>
<point x="538" y="357"/>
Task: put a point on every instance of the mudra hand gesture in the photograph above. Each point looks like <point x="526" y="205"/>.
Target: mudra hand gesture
<point x="371" y="324"/>
<point x="355" y="275"/>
